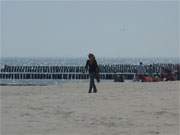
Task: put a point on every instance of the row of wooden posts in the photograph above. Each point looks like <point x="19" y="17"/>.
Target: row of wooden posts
<point x="103" y="68"/>
<point x="74" y="72"/>
<point x="64" y="76"/>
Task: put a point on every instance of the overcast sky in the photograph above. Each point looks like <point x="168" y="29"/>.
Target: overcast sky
<point x="73" y="29"/>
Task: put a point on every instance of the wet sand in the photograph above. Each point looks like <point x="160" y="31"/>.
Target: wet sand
<point x="117" y="109"/>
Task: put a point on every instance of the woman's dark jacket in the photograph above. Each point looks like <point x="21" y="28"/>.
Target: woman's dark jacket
<point x="93" y="68"/>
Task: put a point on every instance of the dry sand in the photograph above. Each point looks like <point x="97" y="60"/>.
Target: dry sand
<point x="117" y="109"/>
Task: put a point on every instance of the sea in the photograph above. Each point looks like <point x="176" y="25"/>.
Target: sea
<point x="81" y="61"/>
<point x="49" y="61"/>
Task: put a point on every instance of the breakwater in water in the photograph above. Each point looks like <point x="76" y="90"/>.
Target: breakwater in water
<point x="76" y="72"/>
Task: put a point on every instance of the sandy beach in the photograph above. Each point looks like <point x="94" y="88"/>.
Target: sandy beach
<point x="129" y="108"/>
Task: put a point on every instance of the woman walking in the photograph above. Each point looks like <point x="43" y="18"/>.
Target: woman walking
<point x="92" y="67"/>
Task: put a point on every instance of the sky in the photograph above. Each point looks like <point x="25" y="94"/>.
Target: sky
<point x="75" y="28"/>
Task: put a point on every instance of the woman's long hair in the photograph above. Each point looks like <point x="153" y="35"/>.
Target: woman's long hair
<point x="92" y="58"/>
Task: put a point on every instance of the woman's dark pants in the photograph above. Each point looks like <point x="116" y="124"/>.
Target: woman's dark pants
<point x="92" y="83"/>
